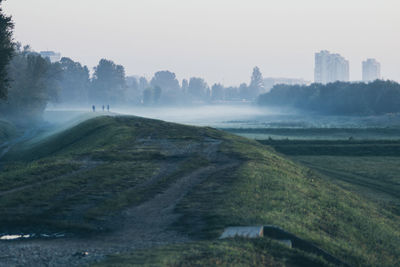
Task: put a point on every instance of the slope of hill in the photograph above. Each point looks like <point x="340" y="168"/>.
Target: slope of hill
<point x="137" y="183"/>
<point x="7" y="131"/>
<point x="236" y="252"/>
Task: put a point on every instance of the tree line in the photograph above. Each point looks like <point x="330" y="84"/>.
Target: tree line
<point x="34" y="82"/>
<point x="29" y="82"/>
<point x="339" y="98"/>
<point x="109" y="84"/>
<point x="6" y="49"/>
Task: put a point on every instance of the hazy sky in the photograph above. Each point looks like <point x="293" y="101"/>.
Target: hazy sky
<point x="220" y="40"/>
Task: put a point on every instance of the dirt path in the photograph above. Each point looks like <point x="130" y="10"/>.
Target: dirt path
<point x="143" y="226"/>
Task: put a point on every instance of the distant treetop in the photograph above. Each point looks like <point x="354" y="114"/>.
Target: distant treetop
<point x="6" y="50"/>
<point x="339" y="98"/>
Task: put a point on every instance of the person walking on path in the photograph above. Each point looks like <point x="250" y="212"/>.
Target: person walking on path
<point x="108" y="108"/>
<point x="103" y="108"/>
<point x="94" y="108"/>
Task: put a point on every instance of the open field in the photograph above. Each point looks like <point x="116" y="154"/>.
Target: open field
<point x="350" y="148"/>
<point x="143" y="187"/>
<point x="370" y="168"/>
<point x="376" y="178"/>
<point x="316" y="133"/>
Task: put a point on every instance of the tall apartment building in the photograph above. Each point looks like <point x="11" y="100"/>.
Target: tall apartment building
<point x="51" y="55"/>
<point x="371" y="70"/>
<point x="330" y="68"/>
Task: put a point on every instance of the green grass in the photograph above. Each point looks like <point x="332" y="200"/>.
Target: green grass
<point x="111" y="138"/>
<point x="376" y="178"/>
<point x="7" y="131"/>
<point x="269" y="189"/>
<point x="336" y="147"/>
<point x="80" y="178"/>
<point x="298" y="133"/>
<point x="238" y="252"/>
<point x="22" y="174"/>
<point x="370" y="168"/>
<point x="263" y="187"/>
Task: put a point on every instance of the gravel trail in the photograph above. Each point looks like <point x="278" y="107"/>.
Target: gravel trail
<point x="146" y="225"/>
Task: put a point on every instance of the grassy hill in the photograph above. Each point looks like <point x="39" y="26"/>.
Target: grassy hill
<point x="367" y="167"/>
<point x="7" y="131"/>
<point x="83" y="179"/>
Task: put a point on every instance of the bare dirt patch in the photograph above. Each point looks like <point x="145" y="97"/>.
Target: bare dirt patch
<point x="143" y="226"/>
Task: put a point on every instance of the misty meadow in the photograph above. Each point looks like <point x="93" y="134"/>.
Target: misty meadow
<point x="188" y="133"/>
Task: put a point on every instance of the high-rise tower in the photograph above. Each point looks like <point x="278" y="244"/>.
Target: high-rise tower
<point x="371" y="70"/>
<point x="330" y="68"/>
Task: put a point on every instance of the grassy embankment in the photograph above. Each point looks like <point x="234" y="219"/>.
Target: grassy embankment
<point x="81" y="177"/>
<point x="7" y="131"/>
<point x="268" y="188"/>
<point x="370" y="168"/>
<point x="116" y="154"/>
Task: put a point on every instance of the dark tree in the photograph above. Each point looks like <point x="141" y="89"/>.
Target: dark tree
<point x="75" y="82"/>
<point x="256" y="84"/>
<point x="6" y="50"/>
<point x="152" y="95"/>
<point x="148" y="96"/>
<point x="157" y="94"/>
<point x="132" y="82"/>
<point x="34" y="82"/>
<point x="133" y="93"/>
<point x="108" y="83"/>
<point x="143" y="84"/>
<point x="339" y="98"/>
<point x="185" y="86"/>
<point x="198" y="89"/>
<point x="166" y="80"/>
<point x="217" y="92"/>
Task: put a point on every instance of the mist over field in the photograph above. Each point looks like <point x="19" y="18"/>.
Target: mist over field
<point x="249" y="120"/>
<point x="199" y="133"/>
<point x="203" y="115"/>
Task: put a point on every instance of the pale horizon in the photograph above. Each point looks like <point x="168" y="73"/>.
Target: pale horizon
<point x="220" y="41"/>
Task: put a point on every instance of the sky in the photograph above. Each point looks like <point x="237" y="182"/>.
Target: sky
<point x="219" y="40"/>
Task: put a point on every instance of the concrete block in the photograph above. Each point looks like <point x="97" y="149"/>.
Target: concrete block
<point x="244" y="231"/>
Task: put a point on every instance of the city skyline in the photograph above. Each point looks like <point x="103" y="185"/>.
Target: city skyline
<point x="148" y="36"/>
<point x="330" y="67"/>
<point x="371" y="70"/>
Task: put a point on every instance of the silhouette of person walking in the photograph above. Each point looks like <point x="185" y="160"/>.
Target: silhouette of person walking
<point x="103" y="108"/>
<point x="94" y="108"/>
<point x="108" y="108"/>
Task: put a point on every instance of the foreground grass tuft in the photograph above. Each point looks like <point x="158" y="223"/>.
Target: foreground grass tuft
<point x="238" y="252"/>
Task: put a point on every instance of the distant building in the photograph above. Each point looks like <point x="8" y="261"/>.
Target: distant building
<point x="330" y="68"/>
<point x="271" y="82"/>
<point x="51" y="55"/>
<point x="371" y="70"/>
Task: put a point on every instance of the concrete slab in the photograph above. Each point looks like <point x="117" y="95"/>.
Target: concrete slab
<point x="243" y="231"/>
